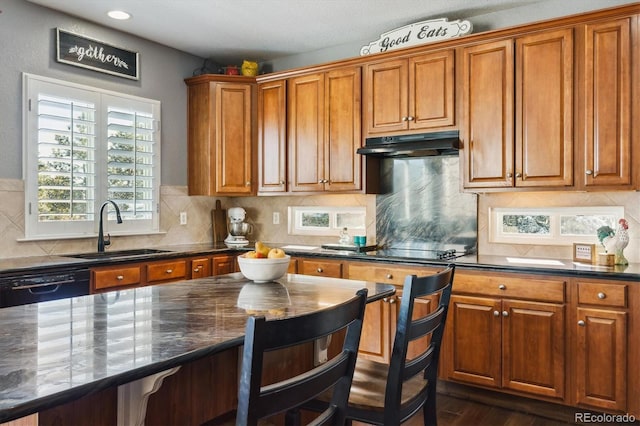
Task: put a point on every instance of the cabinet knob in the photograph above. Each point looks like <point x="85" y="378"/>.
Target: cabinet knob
<point x="389" y="276"/>
<point x="602" y="296"/>
<point x="169" y="271"/>
<point x="319" y="270"/>
<point x="281" y="182"/>
<point x="410" y="118"/>
<point x="496" y="313"/>
<point x="509" y="175"/>
<point x="518" y="174"/>
<point x="247" y="183"/>
<point x="588" y="172"/>
<point x="505" y="313"/>
<point x="197" y="269"/>
<point x="581" y="323"/>
<point x="502" y="287"/>
<point x="392" y="300"/>
<point x="120" y="277"/>
<point x="404" y="118"/>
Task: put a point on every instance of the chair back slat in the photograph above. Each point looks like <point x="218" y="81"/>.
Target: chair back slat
<point x="256" y="401"/>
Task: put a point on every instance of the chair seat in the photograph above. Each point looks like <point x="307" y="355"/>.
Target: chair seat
<point x="370" y="381"/>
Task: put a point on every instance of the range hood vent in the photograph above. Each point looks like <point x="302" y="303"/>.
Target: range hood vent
<point x="416" y="145"/>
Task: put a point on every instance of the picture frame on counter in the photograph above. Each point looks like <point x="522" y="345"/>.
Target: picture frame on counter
<point x="86" y="52"/>
<point x="584" y="253"/>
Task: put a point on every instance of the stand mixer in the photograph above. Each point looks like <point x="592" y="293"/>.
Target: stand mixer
<point x="237" y="227"/>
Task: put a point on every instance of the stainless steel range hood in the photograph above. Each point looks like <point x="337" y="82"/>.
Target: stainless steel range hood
<point x="416" y="145"/>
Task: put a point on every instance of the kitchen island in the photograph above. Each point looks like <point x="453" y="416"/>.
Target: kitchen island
<point x="59" y="351"/>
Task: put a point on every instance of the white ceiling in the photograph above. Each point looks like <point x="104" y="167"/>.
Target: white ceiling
<point x="229" y="30"/>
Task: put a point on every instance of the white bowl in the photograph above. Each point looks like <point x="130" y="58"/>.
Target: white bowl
<point x="262" y="270"/>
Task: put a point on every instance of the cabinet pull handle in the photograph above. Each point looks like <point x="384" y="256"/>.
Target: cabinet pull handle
<point x="120" y="277"/>
<point x="602" y="296"/>
<point x="502" y="287"/>
<point x="389" y="276"/>
<point x="588" y="172"/>
<point x="169" y="271"/>
<point x="505" y="313"/>
<point x="319" y="270"/>
<point x="496" y="313"/>
<point x="581" y="323"/>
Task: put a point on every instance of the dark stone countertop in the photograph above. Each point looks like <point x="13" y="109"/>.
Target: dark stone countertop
<point x="55" y="352"/>
<point x="515" y="264"/>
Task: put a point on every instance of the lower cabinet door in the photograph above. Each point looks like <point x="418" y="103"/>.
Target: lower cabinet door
<point x="473" y="332"/>
<point x="379" y="317"/>
<point x="533" y="348"/>
<point x="601" y="358"/>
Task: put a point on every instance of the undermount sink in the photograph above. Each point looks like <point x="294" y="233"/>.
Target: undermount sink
<point x="115" y="254"/>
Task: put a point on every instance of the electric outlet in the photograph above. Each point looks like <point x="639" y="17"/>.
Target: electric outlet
<point x="183" y="218"/>
<point x="276" y="218"/>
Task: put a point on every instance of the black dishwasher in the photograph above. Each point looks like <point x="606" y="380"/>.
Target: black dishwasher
<point x="42" y="286"/>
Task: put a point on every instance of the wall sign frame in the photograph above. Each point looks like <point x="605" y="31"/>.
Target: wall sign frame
<point x="416" y="34"/>
<point x="85" y="52"/>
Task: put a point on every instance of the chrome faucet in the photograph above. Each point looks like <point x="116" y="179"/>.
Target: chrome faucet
<point x="101" y="240"/>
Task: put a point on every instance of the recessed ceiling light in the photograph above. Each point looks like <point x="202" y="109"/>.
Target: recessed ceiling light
<point x="118" y="14"/>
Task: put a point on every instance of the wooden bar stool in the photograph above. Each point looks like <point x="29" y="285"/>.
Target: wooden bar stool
<point x="389" y="394"/>
<point x="256" y="402"/>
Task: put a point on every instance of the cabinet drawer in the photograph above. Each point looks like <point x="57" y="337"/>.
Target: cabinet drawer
<point x="320" y="268"/>
<point x="119" y="277"/>
<point x="614" y="295"/>
<point x="385" y="274"/>
<point x="508" y="286"/>
<point x="163" y="271"/>
<point x="200" y="267"/>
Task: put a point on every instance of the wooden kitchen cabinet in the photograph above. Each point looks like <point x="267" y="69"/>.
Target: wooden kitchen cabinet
<point x="272" y="137"/>
<point x="220" y="135"/>
<point x="605" y="58"/>
<point x="324" y="131"/>
<point x="166" y="270"/>
<point x="507" y="332"/>
<point x="601" y="345"/>
<point x="320" y="267"/>
<point x="108" y="277"/>
<point x="200" y="267"/>
<point x="410" y="94"/>
<point x="539" y="102"/>
<point x="224" y="264"/>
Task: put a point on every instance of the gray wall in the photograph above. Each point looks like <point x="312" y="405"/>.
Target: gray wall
<point x="27" y="44"/>
<point x="535" y="11"/>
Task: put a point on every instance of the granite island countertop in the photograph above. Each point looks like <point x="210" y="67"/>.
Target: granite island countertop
<point x="55" y="352"/>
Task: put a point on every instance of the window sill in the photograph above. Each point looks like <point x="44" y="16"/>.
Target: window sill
<point x="84" y="236"/>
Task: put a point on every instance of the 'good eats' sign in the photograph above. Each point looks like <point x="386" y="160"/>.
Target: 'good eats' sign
<point x="418" y="33"/>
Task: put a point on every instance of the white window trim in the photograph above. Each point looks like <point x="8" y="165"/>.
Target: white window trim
<point x="30" y="161"/>
<point x="496" y="234"/>
<point x="295" y="219"/>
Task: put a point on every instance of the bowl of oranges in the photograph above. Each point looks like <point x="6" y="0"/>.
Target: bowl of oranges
<point x="264" y="264"/>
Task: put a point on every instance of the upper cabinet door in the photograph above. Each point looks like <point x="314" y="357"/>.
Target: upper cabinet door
<point x="431" y="90"/>
<point x="234" y="138"/>
<point x="272" y="136"/>
<point x="342" y="168"/>
<point x="608" y="53"/>
<point x="486" y="128"/>
<point x="305" y="114"/>
<point x="386" y="96"/>
<point x="220" y="135"/>
<point x="544" y="109"/>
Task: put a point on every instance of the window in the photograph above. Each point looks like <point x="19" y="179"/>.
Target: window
<point x="325" y="220"/>
<point x="551" y="225"/>
<point x="83" y="146"/>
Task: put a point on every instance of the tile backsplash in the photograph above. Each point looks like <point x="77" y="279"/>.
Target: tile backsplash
<point x="175" y="199"/>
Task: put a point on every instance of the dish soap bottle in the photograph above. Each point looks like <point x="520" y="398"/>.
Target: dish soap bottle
<point x="344" y="237"/>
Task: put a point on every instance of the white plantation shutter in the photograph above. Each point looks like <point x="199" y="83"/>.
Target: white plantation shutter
<point x="82" y="147"/>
